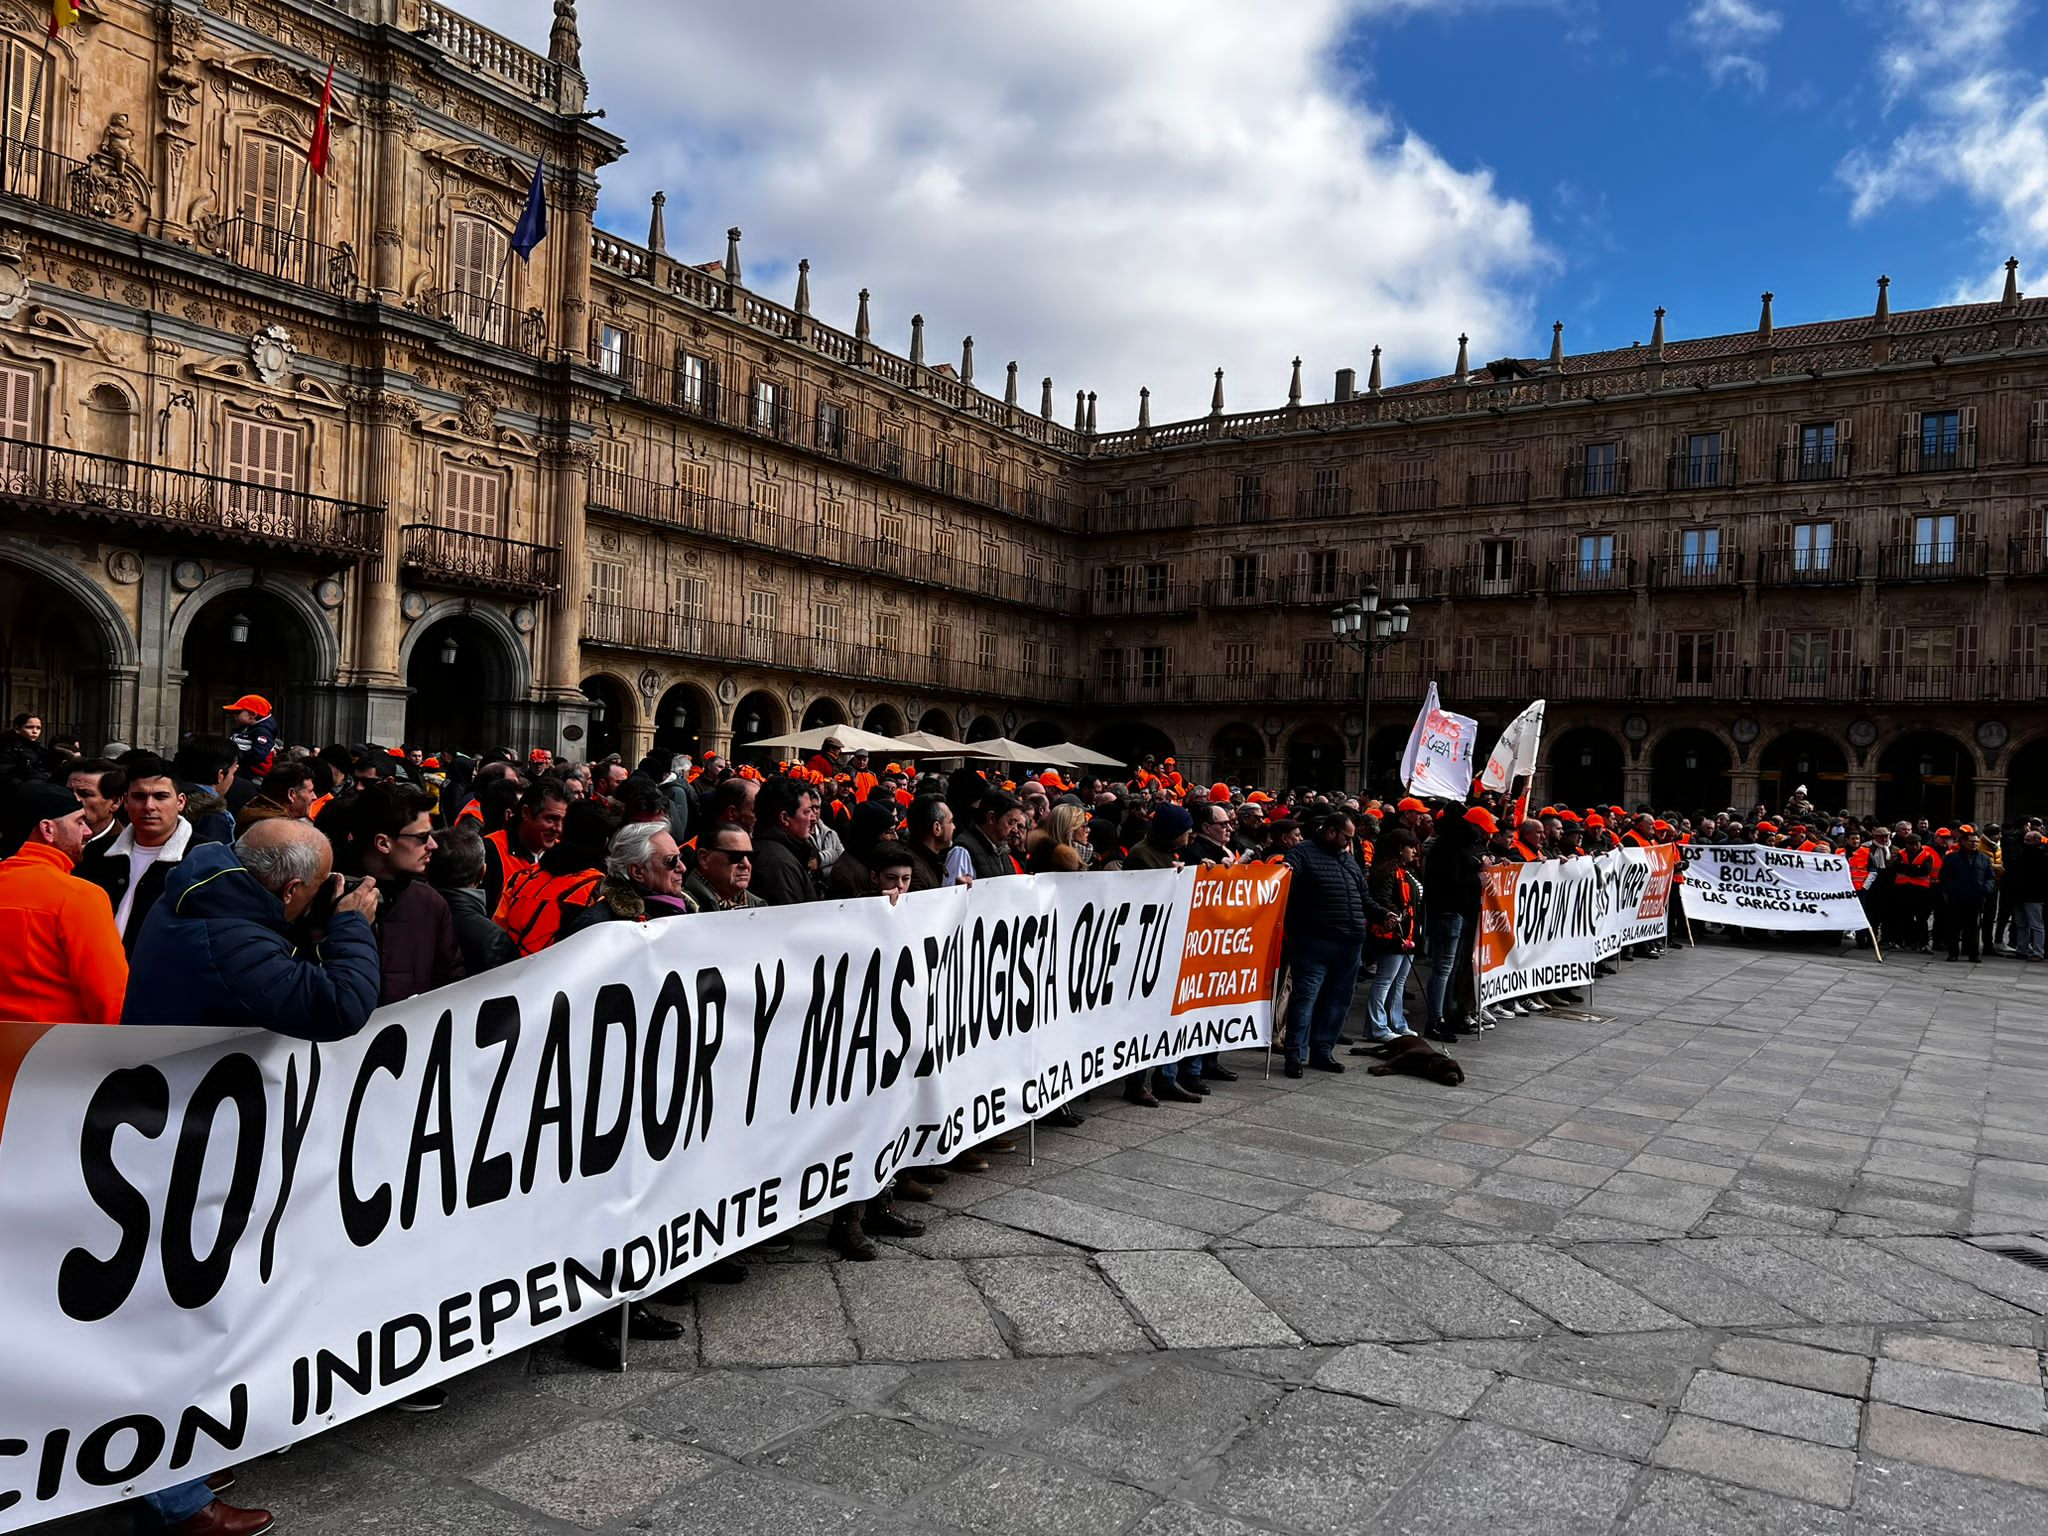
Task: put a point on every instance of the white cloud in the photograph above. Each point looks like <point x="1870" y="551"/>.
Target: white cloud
<point x="1730" y="35"/>
<point x="1973" y="128"/>
<point x="1116" y="195"/>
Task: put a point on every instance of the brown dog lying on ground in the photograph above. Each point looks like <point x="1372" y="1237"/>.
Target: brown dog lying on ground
<point x="1412" y="1057"/>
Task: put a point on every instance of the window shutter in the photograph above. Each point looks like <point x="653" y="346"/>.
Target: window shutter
<point x="263" y="182"/>
<point x="1466" y="647"/>
<point x="1619" y="656"/>
<point x="1724" y="653"/>
<point x="1841" y="652"/>
<point x="1892" y="654"/>
<point x="1966" y="650"/>
<point x="1664" y="653"/>
<point x="1560" y="654"/>
<point x="24" y="116"/>
<point x="1518" y="655"/>
<point x="1968" y="418"/>
<point x="1772" y="651"/>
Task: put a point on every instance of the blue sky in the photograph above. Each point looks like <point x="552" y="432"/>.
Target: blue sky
<point x="1658" y="178"/>
<point x="1137" y="193"/>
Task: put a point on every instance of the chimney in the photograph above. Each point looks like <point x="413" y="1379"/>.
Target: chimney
<point x="1347" y="384"/>
<point x="967" y="362"/>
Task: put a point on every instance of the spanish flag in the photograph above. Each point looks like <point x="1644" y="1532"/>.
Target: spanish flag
<point x="63" y="13"/>
<point x="316" y="155"/>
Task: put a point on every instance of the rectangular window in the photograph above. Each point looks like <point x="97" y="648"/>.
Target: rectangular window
<point x="942" y="640"/>
<point x="1109" y="665"/>
<point x="1941" y="439"/>
<point x="608" y="583"/>
<point x="1601" y="470"/>
<point x="1318" y="660"/>
<point x="1326" y="497"/>
<point x="26" y="104"/>
<point x="1806" y="658"/>
<point x="1155" y="583"/>
<point x="1027" y="656"/>
<point x="1596" y="554"/>
<point x="1249" y="498"/>
<point x="767" y="407"/>
<point x="825" y="623"/>
<point x="1592" y="654"/>
<point x="266" y="454"/>
<point x="831" y="427"/>
<point x="1244" y="576"/>
<point x="1699" y="551"/>
<point x="1496" y="564"/>
<point x="1152" y="667"/>
<point x="985" y="650"/>
<point x="1324" y="572"/>
<point x="768" y="497"/>
<point x="1700" y="461"/>
<point x="1813" y="546"/>
<point x="614" y="350"/>
<point x="476" y="257"/>
<point x="1930" y="647"/>
<point x="1115" y="581"/>
<point x="1934" y="539"/>
<point x="888" y="632"/>
<point x="1238" y="658"/>
<point x="471" y="500"/>
<point x="889" y="529"/>
<point x="17" y="404"/>
<point x="832" y="517"/>
<point x="1695" y="656"/>
<point x="691" y="593"/>
<point x="1034" y="569"/>
<point x="764" y="611"/>
<point x="1406" y="571"/>
<point x="1817" y="448"/>
<point x="889" y="449"/>
<point x="696" y="389"/>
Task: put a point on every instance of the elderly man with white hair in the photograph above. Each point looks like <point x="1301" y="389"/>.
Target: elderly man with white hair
<point x="643" y="880"/>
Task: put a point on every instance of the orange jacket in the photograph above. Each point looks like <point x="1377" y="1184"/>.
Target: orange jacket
<point x="532" y="908"/>
<point x="61" y="960"/>
<point x="1917" y="870"/>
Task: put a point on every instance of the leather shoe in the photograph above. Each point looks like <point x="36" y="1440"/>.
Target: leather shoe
<point x="731" y="1270"/>
<point x="1443" y="1036"/>
<point x="1219" y="1075"/>
<point x="596" y="1345"/>
<point x="1196" y="1086"/>
<point x="222" y="1481"/>
<point x="1144" y="1098"/>
<point x="907" y="1188"/>
<point x="1065" y="1117"/>
<point x="219" y="1519"/>
<point x="850" y="1242"/>
<point x="651" y="1326"/>
<point x="933" y="1175"/>
<point x="969" y="1162"/>
<point x="1173" y="1093"/>
<point x="1326" y="1064"/>
<point x="1293" y="1067"/>
<point x="889" y="1222"/>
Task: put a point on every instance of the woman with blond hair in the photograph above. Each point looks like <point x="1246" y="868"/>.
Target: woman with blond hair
<point x="1061" y="845"/>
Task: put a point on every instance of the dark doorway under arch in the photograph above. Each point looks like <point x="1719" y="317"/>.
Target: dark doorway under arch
<point x="984" y="728"/>
<point x="461" y="682"/>
<point x="758" y="714"/>
<point x="1803" y="757"/>
<point x="823" y="711"/>
<point x="1689" y="772"/>
<point x="1130" y="742"/>
<point x="883" y="720"/>
<point x="679" y="720"/>
<point x="2026" y="783"/>
<point x="1585" y="769"/>
<point x="1041" y="733"/>
<point x="1316" y="759"/>
<point x="936" y="722"/>
<point x="1927" y="773"/>
<point x="1238" y="756"/>
<point x="611" y="716"/>
<point x="250" y="641"/>
<point x="51" y="660"/>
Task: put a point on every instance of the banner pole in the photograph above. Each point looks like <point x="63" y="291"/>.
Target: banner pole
<point x="1874" y="949"/>
<point x="625" y="1333"/>
<point x="1031" y="1144"/>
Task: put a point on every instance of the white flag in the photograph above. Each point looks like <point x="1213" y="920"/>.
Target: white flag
<point x="1438" y="759"/>
<point x="1514" y="755"/>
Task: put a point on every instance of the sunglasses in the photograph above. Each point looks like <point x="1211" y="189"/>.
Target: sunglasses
<point x="745" y="857"/>
<point x="414" y="837"/>
<point x="668" y="861"/>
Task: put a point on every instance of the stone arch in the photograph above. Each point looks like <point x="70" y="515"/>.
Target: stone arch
<point x="1586" y="767"/>
<point x="1807" y="757"/>
<point x="937" y="722"/>
<point x="823" y="710"/>
<point x="1041" y="733"/>
<point x="614" y="716"/>
<point x="1131" y="742"/>
<point x="883" y="720"/>
<point x="320" y="635"/>
<point x="510" y="650"/>
<point x="757" y="714"/>
<point x="1928" y="773"/>
<point x="1690" y="770"/>
<point x="111" y="413"/>
<point x="469" y="673"/>
<point x="109" y="623"/>
<point x="79" y="659"/>
<point x="983" y="728"/>
<point x="1315" y="757"/>
<point x="1237" y="754"/>
<point x="296" y="671"/>
<point x="685" y="712"/>
<point x="2026" y="781"/>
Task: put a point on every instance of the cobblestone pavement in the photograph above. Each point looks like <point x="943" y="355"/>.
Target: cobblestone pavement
<point x="1718" y="1261"/>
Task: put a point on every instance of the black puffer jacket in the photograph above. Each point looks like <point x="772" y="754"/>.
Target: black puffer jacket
<point x="1327" y="897"/>
<point x="1450" y="870"/>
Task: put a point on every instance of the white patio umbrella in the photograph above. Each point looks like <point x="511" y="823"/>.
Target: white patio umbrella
<point x="850" y="737"/>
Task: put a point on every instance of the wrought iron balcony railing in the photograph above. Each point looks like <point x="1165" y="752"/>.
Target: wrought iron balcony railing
<point x="1931" y="560"/>
<point x="1582" y="575"/>
<point x="1831" y="565"/>
<point x="1607" y="477"/>
<point x="1680" y="572"/>
<point x="280" y="253"/>
<point x="1937" y="452"/>
<point x="456" y="557"/>
<point x="69" y="482"/>
<point x="1814" y="461"/>
<point x="1408" y="495"/>
<point x="1497" y="487"/>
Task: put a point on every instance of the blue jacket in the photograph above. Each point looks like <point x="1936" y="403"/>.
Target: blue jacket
<point x="1328" y="897"/>
<point x="217" y="950"/>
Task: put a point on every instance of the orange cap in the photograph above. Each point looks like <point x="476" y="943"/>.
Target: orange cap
<point x="1410" y="803"/>
<point x="1482" y="818"/>
<point x="255" y="703"/>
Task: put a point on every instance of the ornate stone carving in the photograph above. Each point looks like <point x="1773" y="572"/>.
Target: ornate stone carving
<point x="125" y="566"/>
<point x="271" y="351"/>
<point x="13" y="285"/>
<point x="110" y="185"/>
<point x="487" y="206"/>
<point x="565" y="47"/>
<point x="479" y="410"/>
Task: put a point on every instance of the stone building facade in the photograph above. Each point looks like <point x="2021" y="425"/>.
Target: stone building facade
<point x="331" y="440"/>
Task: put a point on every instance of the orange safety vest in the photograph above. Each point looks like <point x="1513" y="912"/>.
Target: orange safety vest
<point x="1527" y="854"/>
<point x="1919" y="870"/>
<point x="313" y="811"/>
<point x="534" y="901"/>
<point x="473" y="811"/>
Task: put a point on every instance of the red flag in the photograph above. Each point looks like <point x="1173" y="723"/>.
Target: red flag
<point x="317" y="155"/>
<point x="63" y="13"/>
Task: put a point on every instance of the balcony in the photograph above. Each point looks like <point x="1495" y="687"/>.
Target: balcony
<point x="289" y="257"/>
<point x="1679" y="573"/>
<point x="1616" y="681"/>
<point x="1498" y="487"/>
<point x="1934" y="684"/>
<point x="1230" y="687"/>
<point x="484" y="562"/>
<point x="1674" y="684"/>
<point x="1142" y="516"/>
<point x="1814" y="681"/>
<point x="1931" y="560"/>
<point x="1323" y="501"/>
<point x="484" y="319"/>
<point x="1932" y="453"/>
<point x="66" y="482"/>
<point x="1700" y="471"/>
<point x="1801" y="462"/>
<point x="1243" y="591"/>
<point x="1405" y="584"/>
<point x="1408" y="495"/>
<point x="2027" y="557"/>
<point x="2026" y="681"/>
<point x="1833" y="565"/>
<point x="1140" y="598"/>
<point x="1244" y="506"/>
<point x="1491" y="578"/>
<point x="1592" y="577"/>
<point x="1603" y="478"/>
<point x="1491" y="685"/>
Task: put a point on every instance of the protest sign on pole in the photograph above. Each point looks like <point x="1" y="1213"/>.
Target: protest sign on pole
<point x="1514" y="756"/>
<point x="1752" y="886"/>
<point x="219" y="1242"/>
<point x="1546" y="925"/>
<point x="1437" y="761"/>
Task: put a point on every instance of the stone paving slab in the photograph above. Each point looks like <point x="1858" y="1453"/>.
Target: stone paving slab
<point x="1693" y="1263"/>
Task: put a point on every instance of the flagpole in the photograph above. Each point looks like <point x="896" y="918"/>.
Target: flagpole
<point x="291" y="233"/>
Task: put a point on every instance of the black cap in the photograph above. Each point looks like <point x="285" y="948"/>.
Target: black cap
<point x="38" y="800"/>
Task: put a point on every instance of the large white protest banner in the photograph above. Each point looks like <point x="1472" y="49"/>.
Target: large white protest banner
<point x="1514" y="756"/>
<point x="1753" y="886"/>
<point x="1546" y="925"/>
<point x="1438" y="759"/>
<point x="218" y="1242"/>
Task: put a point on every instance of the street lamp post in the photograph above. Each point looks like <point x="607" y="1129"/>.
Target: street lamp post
<point x="1368" y="629"/>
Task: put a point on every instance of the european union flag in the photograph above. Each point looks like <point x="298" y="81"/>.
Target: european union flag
<point x="533" y="223"/>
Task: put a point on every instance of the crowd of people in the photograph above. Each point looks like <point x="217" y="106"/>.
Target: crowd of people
<point x="243" y="882"/>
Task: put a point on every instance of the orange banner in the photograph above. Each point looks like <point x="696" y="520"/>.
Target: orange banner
<point x="1233" y="941"/>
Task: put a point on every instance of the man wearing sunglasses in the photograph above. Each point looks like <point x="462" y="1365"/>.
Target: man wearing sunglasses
<point x="385" y="833"/>
<point x="724" y="872"/>
<point x="643" y="880"/>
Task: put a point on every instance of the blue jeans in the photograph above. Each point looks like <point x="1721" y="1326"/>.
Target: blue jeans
<point x="1386" y="1010"/>
<point x="2027" y="933"/>
<point x="179" y="1503"/>
<point x="1446" y="946"/>
<point x="1325" y="975"/>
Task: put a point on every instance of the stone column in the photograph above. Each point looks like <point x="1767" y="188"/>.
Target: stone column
<point x="1635" y="783"/>
<point x="1861" y="788"/>
<point x="1990" y="801"/>
<point x="568" y="466"/>
<point x="391" y="125"/>
<point x="1742" y="786"/>
<point x="383" y="416"/>
<point x="577" y="207"/>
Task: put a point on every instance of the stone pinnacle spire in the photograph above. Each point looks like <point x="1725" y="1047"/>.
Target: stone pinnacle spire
<point x="1144" y="410"/>
<point x="732" y="257"/>
<point x="1884" y="301"/>
<point x="1372" y="379"/>
<point x="1216" y="397"/>
<point x="1557" y="344"/>
<point x="1080" y="410"/>
<point x="967" y="361"/>
<point x="862" y="331"/>
<point x="1010" y="387"/>
<point x="1045" y="399"/>
<point x="803" y="286"/>
<point x="1765" y="326"/>
<point x="1464" y="370"/>
<point x="657" y="227"/>
<point x="1657" y="336"/>
<point x="917" y="341"/>
<point x="2012" y="283"/>
<point x="1294" y="385"/>
<point x="1091" y="413"/>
